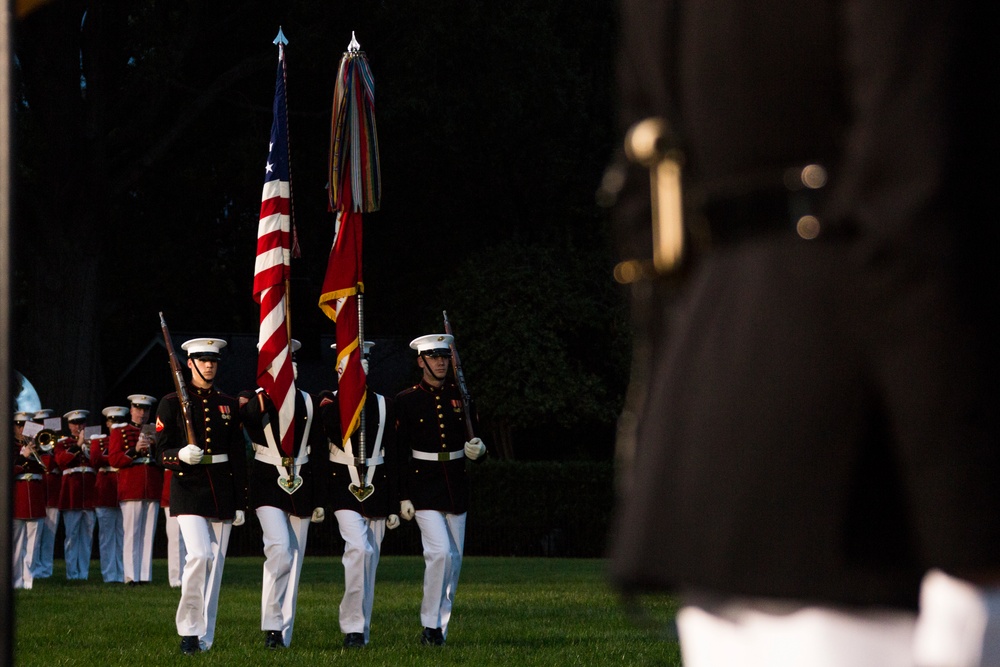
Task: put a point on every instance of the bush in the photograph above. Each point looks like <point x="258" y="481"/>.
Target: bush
<point x="538" y="508"/>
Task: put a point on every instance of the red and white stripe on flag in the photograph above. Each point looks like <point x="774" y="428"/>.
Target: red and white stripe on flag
<point x="271" y="271"/>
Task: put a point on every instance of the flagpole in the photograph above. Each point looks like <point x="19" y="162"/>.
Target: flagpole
<point x="281" y="41"/>
<point x="361" y="456"/>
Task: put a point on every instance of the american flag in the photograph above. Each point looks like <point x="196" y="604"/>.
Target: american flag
<point x="272" y="269"/>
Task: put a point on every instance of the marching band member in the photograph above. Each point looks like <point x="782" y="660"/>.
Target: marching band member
<point x="53" y="484"/>
<point x="140" y="484"/>
<point x="76" y="495"/>
<point x="29" y="505"/>
<point x="109" y="515"/>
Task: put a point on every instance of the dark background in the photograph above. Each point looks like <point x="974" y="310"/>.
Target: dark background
<point x="141" y="136"/>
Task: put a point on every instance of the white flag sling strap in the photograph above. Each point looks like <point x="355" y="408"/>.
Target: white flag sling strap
<point x="287" y="479"/>
<point x="346" y="456"/>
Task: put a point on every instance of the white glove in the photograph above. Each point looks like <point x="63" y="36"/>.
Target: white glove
<point x="318" y="515"/>
<point x="239" y="518"/>
<point x="190" y="454"/>
<point x="25" y="451"/>
<point x="474" y="449"/>
<point x="406" y="509"/>
<point x="392" y="522"/>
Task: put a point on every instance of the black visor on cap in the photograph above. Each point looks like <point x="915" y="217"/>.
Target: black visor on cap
<point x="77" y="421"/>
<point x="439" y="352"/>
<point x="19" y="422"/>
<point x="211" y="356"/>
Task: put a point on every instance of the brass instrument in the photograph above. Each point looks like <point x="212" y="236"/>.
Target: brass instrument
<point x="45" y="439"/>
<point x="33" y="448"/>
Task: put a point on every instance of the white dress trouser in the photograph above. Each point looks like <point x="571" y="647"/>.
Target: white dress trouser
<point x="752" y="632"/>
<point x="284" y="538"/>
<point x="27" y="542"/>
<point x="206" y="541"/>
<point x="46" y="552"/>
<point x="959" y="623"/>
<point x="443" y="538"/>
<point x="79" y="526"/>
<point x="110" y="537"/>
<point x="175" y="550"/>
<point x="139" y="522"/>
<point x="362" y="546"/>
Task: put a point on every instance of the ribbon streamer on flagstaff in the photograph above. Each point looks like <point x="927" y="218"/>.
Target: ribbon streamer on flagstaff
<point x="355" y="178"/>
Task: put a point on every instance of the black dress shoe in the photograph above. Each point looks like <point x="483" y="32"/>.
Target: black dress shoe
<point x="190" y="645"/>
<point x="272" y="639"/>
<point x="354" y="640"/>
<point x="432" y="637"/>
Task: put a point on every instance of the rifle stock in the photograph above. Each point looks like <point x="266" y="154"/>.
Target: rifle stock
<point x="179" y="386"/>
<point x="456" y="365"/>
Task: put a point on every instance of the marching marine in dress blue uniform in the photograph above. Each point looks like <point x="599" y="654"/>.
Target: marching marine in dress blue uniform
<point x="362" y="522"/>
<point x="286" y="494"/>
<point x="207" y="488"/>
<point x="431" y="420"/>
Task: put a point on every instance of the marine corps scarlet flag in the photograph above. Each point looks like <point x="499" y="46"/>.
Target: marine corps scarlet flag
<point x="354" y="187"/>
<point x="272" y="270"/>
<point x="342" y="288"/>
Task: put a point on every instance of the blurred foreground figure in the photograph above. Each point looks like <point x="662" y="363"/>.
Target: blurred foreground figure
<point x="811" y="431"/>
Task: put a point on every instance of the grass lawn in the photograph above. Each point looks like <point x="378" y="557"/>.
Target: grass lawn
<point x="508" y="611"/>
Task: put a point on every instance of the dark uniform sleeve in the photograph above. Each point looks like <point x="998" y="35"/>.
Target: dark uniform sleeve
<point x="402" y="446"/>
<point x="393" y="461"/>
<point x="170" y="437"/>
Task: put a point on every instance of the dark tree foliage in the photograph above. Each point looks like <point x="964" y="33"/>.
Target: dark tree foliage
<point x="544" y="345"/>
<point x="141" y="140"/>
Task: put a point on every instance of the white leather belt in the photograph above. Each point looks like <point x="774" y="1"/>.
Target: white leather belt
<point x="264" y="455"/>
<point x="107" y="469"/>
<point x="142" y="459"/>
<point x="338" y="455"/>
<point x="438" y="456"/>
<point x="70" y="471"/>
<point x="28" y="477"/>
<point x="208" y="459"/>
<point x="346" y="456"/>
